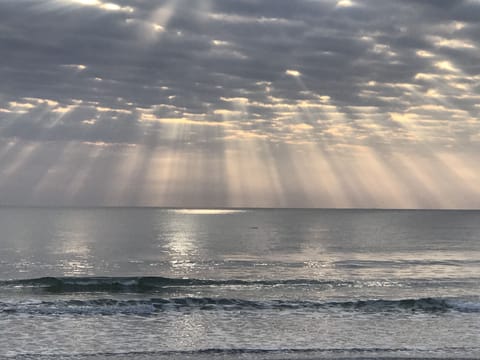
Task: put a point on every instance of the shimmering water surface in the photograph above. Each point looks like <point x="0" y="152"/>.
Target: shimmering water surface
<point x="133" y="283"/>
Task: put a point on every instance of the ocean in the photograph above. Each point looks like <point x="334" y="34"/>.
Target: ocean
<point x="147" y="283"/>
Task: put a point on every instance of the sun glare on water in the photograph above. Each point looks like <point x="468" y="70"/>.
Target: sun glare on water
<point x="207" y="211"/>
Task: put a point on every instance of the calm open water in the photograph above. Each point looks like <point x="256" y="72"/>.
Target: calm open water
<point x="134" y="283"/>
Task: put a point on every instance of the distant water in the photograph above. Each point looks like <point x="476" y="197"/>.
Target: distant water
<point x="133" y="283"/>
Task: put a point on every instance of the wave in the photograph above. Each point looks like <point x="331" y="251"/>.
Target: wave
<point x="158" y="305"/>
<point x="157" y="284"/>
<point x="266" y="353"/>
<point x="146" y="284"/>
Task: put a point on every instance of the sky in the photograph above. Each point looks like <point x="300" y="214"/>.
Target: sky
<point x="240" y="103"/>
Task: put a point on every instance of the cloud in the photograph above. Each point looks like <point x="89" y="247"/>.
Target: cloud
<point x="222" y="77"/>
<point x="192" y="56"/>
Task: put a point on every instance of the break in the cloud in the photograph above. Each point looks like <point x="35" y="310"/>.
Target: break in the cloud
<point x="368" y="103"/>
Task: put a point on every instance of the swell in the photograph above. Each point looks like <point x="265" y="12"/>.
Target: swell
<point x="158" y="305"/>
<point x="233" y="353"/>
<point x="155" y="284"/>
<point x="144" y="284"/>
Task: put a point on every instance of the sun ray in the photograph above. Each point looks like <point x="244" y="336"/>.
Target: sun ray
<point x="79" y="181"/>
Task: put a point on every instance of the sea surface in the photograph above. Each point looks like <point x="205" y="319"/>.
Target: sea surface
<point x="145" y="283"/>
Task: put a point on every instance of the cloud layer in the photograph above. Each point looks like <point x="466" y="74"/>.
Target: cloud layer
<point x="383" y="77"/>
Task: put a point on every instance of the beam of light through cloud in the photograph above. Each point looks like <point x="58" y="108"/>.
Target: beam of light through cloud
<point x="240" y="103"/>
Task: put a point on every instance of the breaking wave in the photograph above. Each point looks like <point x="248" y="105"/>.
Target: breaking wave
<point x="156" y="284"/>
<point x="158" y="305"/>
<point x="145" y="284"/>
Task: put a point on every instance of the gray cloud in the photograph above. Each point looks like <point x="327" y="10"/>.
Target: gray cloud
<point x="203" y="54"/>
<point x="202" y="77"/>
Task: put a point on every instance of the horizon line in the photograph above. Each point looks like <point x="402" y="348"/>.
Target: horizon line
<point x="19" y="206"/>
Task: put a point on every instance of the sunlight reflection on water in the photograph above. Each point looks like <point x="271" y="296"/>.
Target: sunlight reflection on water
<point x="207" y="211"/>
